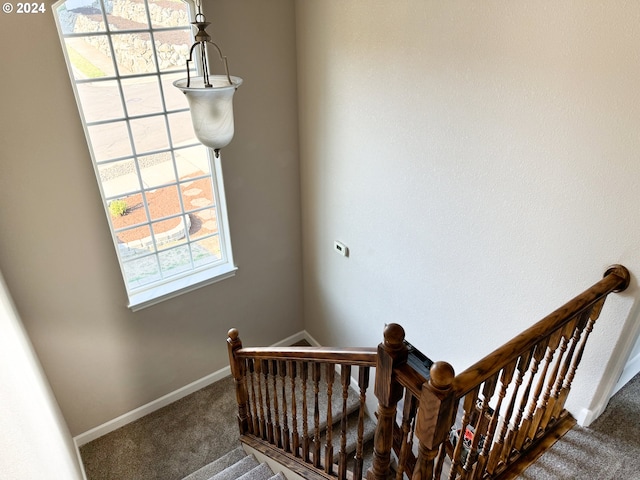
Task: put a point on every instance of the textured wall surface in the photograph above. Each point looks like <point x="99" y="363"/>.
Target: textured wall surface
<point x="34" y="441"/>
<point x="480" y="161"/>
<point x="56" y="252"/>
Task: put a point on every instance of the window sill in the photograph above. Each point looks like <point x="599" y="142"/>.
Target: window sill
<point x="178" y="286"/>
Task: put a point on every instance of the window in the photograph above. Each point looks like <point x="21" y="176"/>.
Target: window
<point x="163" y="191"/>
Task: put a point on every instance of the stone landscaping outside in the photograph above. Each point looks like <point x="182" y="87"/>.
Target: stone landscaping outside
<point x="195" y="194"/>
<point x="134" y="50"/>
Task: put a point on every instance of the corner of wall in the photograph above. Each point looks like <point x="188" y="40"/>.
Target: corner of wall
<point x="125" y="419"/>
<point x="588" y="415"/>
<point x="631" y="369"/>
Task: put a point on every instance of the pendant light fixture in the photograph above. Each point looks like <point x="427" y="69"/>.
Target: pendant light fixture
<point x="210" y="97"/>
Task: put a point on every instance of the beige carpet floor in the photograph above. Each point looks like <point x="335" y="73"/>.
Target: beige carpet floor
<point x="180" y="438"/>
<point x="607" y="450"/>
<point x="169" y="443"/>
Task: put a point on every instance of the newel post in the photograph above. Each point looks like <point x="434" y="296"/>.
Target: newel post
<point x="238" y="371"/>
<point x="435" y="418"/>
<point x="391" y="353"/>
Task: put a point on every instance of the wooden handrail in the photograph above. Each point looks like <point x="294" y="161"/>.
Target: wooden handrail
<point x="410" y="379"/>
<point x="616" y="279"/>
<point x="491" y="414"/>
<point x="361" y="356"/>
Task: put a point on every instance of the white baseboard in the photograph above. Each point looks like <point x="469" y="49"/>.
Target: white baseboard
<point x="310" y="339"/>
<point x="586" y="416"/>
<point x="296" y="337"/>
<point x="165" y="400"/>
<point x="79" y="457"/>
<point x="150" y="407"/>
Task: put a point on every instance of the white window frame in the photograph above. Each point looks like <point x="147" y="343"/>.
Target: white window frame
<point x="196" y="277"/>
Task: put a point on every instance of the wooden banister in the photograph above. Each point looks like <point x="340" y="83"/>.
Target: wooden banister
<point x="473" y="425"/>
<point x="365" y="356"/>
<point x="616" y="279"/>
<point x="293" y="402"/>
<point x="410" y="379"/>
<point x="485" y="418"/>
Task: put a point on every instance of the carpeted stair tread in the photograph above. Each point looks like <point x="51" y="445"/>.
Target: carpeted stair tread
<point x="238" y="469"/>
<point x="353" y="402"/>
<point x="278" y="476"/>
<point x="217" y="466"/>
<point x="235" y="465"/>
<point x="261" y="472"/>
<point x="352" y="435"/>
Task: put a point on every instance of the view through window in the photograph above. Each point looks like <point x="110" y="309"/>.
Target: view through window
<point x="162" y="190"/>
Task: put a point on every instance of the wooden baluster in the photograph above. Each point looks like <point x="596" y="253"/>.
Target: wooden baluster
<point x="286" y="441"/>
<point x="410" y="462"/>
<point x="330" y="371"/>
<point x="262" y="423"/>
<point x="238" y="371"/>
<point x="555" y="384"/>
<point x="267" y="397"/>
<point x="255" y="428"/>
<point x="345" y="380"/>
<point x="316" y="373"/>
<point x="523" y="431"/>
<point x="558" y="397"/>
<point x="496" y="450"/>
<point x="523" y="365"/>
<point x="295" y="437"/>
<point x="391" y="353"/>
<point x="480" y="428"/>
<point x="304" y="374"/>
<point x="250" y="406"/>
<point x="363" y="385"/>
<point x="277" y="431"/>
<point x="514" y="426"/>
<point x="542" y="397"/>
<point x="408" y="415"/>
<point x="442" y="455"/>
<point x="435" y="418"/>
<point x="578" y="356"/>
<point x="578" y="327"/>
<point x="468" y="407"/>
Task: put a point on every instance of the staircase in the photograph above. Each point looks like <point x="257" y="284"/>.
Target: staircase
<point x="236" y="465"/>
<point x="291" y="401"/>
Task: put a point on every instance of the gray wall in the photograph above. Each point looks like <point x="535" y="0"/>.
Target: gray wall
<point x="56" y="252"/>
<point x="481" y="160"/>
<point x="35" y="440"/>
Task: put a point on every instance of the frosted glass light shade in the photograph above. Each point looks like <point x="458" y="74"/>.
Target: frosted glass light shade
<point x="211" y="108"/>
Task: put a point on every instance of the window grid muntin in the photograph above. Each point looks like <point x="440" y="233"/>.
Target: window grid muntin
<point x="158" y="74"/>
<point x="154" y="187"/>
<point x="150" y="221"/>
